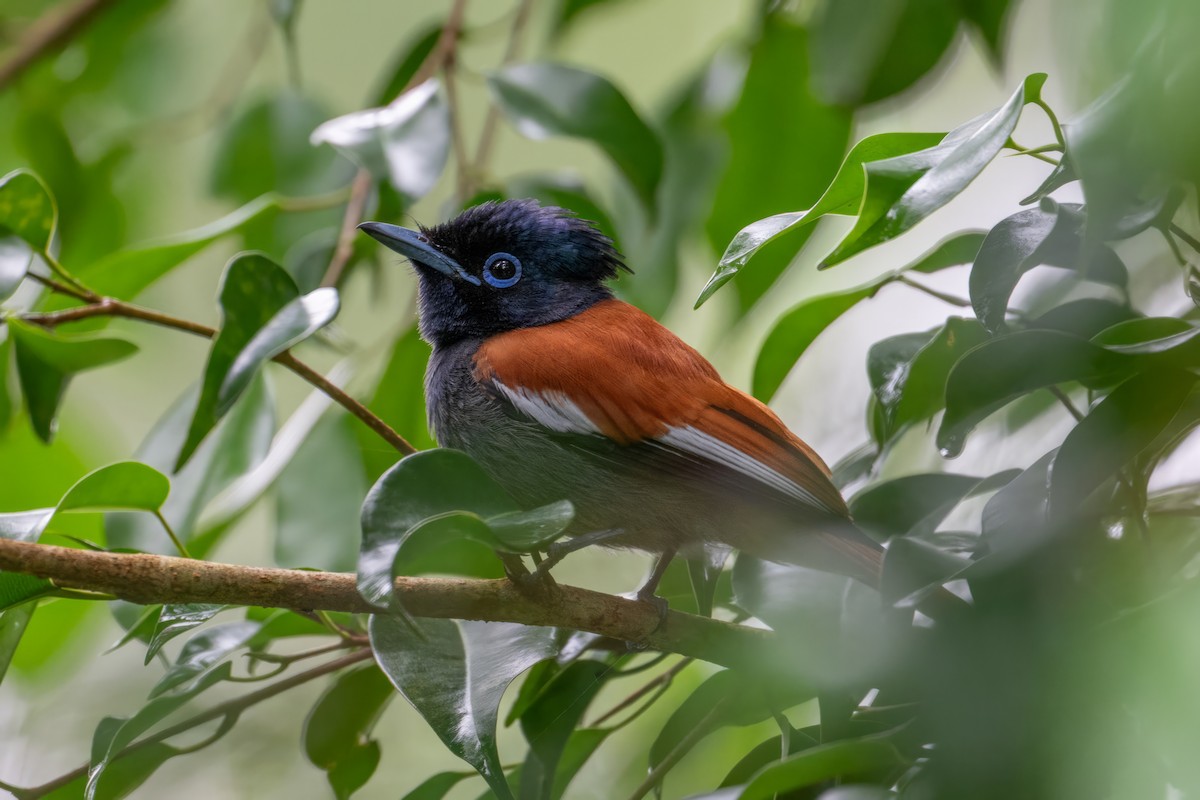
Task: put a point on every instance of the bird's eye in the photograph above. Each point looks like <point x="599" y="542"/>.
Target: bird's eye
<point x="502" y="270"/>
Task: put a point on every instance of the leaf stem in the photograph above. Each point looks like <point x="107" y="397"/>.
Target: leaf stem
<point x="1058" y="131"/>
<point x="1066" y="403"/>
<point x="230" y="708"/>
<point x="487" y="137"/>
<point x="664" y="678"/>
<point x="183" y="551"/>
<point x="953" y="300"/>
<point x="111" y="307"/>
<point x="678" y="752"/>
<point x="1192" y="241"/>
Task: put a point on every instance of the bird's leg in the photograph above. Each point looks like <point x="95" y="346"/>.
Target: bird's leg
<point x="520" y="576"/>
<point x="647" y="593"/>
<point x="559" y="550"/>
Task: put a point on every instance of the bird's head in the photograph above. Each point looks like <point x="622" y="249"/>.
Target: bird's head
<point x="501" y="266"/>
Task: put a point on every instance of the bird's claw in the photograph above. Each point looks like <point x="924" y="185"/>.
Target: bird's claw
<point x="659" y="604"/>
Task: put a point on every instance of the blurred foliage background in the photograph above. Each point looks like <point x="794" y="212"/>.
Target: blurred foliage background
<point x="1076" y="678"/>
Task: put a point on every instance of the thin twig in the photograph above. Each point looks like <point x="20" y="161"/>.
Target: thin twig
<point x="110" y="307"/>
<point x="945" y="298"/>
<point x="224" y="710"/>
<point x="442" y="51"/>
<point x="464" y="182"/>
<point x="183" y="551"/>
<point x="1066" y="403"/>
<point x="663" y="678"/>
<point x="49" y="34"/>
<point x="487" y="137"/>
<point x="1192" y="241"/>
<point x="678" y="752"/>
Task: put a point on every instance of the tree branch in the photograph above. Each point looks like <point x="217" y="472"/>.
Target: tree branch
<point x="152" y="579"/>
<point x="48" y="34"/>
<point x="110" y="307"/>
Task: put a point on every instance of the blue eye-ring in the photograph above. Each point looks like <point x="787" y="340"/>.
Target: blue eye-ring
<point x="502" y="270"/>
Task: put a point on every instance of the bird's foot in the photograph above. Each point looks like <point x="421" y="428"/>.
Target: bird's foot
<point x="659" y="604"/>
<point x="536" y="584"/>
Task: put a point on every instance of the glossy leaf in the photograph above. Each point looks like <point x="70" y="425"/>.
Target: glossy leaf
<point x="1004" y="368"/>
<point x="207" y="648"/>
<point x="523" y="531"/>
<point x="913" y="569"/>
<point x="549" y="723"/>
<point x="893" y="507"/>
<point x="126" y="485"/>
<point x="294" y="323"/>
<point x="27" y="210"/>
<point x="1113" y="433"/>
<point x="47" y="361"/>
<point x="843" y="196"/>
<point x="777" y="126"/>
<point x="902" y="191"/>
<point x="175" y="619"/>
<point x="1025" y="240"/>
<point x="15" y="258"/>
<point x="406" y="142"/>
<point x="813" y="766"/>
<point x="337" y="730"/>
<point x="454" y="676"/>
<point x="16" y="588"/>
<point x="253" y="291"/>
<point x="13" y="623"/>
<point x="1085" y="317"/>
<point x="421" y="486"/>
<point x="1015" y="518"/>
<point x="449" y="544"/>
<point x="318" y="498"/>
<point x="114" y="734"/>
<point x="546" y="99"/>
<point x="888" y="364"/>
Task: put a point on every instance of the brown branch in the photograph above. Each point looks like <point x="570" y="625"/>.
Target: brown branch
<point x="231" y="707"/>
<point x="152" y="579"/>
<point x="110" y="307"/>
<point x="49" y="34"/>
<point x="441" y="54"/>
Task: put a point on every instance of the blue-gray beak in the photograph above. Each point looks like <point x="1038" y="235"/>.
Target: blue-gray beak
<point x="410" y="245"/>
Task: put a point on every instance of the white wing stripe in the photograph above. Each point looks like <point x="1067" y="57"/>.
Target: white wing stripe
<point x="552" y="409"/>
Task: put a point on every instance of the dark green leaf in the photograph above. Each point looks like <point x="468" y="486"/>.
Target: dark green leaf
<point x="1085" y="317"/>
<point x="126" y="485"/>
<point x="913" y="569"/>
<point x="422" y="485"/>
<point x="1015" y="518"/>
<point x="294" y="323"/>
<point x="1025" y="240"/>
<point x="813" y="766"/>
<point x="454" y="676"/>
<point x="902" y="191"/>
<point x="865" y="50"/>
<point x="438" y="786"/>
<point x="549" y="722"/>
<point x="406" y="142"/>
<point x="27" y="209"/>
<point x="253" y="290"/>
<point x="1165" y="341"/>
<point x="46" y="362"/>
<point x="893" y="507"/>
<point x="568" y="10"/>
<point x="888" y="364"/>
<point x="990" y="18"/>
<point x="17" y="588"/>
<point x="406" y="64"/>
<point x="1113" y="434"/>
<point x="319" y="496"/>
<point x="114" y="734"/>
<point x="545" y="99"/>
<point x="6" y="398"/>
<point x="175" y="619"/>
<point x="266" y="148"/>
<point x="843" y="196"/>
<point x="13" y="623"/>
<point x="777" y="126"/>
<point x="15" y="257"/>
<point x="202" y="651"/>
<point x="449" y="544"/>
<point x="1004" y="368"/>
<point x="399" y="400"/>
<point x="338" y="728"/>
<point x="524" y="531"/>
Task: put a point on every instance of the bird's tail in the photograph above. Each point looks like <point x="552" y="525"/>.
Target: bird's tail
<point x="845" y="549"/>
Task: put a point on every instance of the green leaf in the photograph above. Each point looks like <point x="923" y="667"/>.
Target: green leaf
<point x="405" y="65"/>
<point x="254" y="290"/>
<point x="1085" y="317"/>
<point x="816" y="765"/>
<point x="913" y="569"/>
<point x="454" y="675"/>
<point x="438" y="786"/>
<point x="203" y="651"/>
<point x="1006" y="367"/>
<point x="174" y="619"/>
<point x="902" y="191"/>
<point x="1163" y="341"/>
<point x="524" y="531"/>
<point x="6" y="399"/>
<point x="449" y="544"/>
<point x="549" y="722"/>
<point x="46" y="362"/>
<point x="865" y="50"/>
<point x="843" y="196"/>
<point x="799" y="327"/>
<point x="337" y="730"/>
<point x="15" y="257"/>
<point x="114" y="734"/>
<point x="318" y="499"/>
<point x="777" y="126"/>
<point x="266" y="148"/>
<point x="1113" y="433"/>
<point x="421" y="486"/>
<point x="125" y="485"/>
<point x="546" y="99"/>
<point x="399" y="400"/>
<point x="406" y="142"/>
<point x="27" y="209"/>
<point x="990" y="18"/>
<point x="126" y="273"/>
<point x="13" y="623"/>
<point x="294" y="323"/>
<point x="894" y="507"/>
<point x="17" y="588"/>
<point x="1025" y="240"/>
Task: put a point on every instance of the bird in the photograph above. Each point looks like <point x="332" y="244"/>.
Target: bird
<point x="560" y="390"/>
